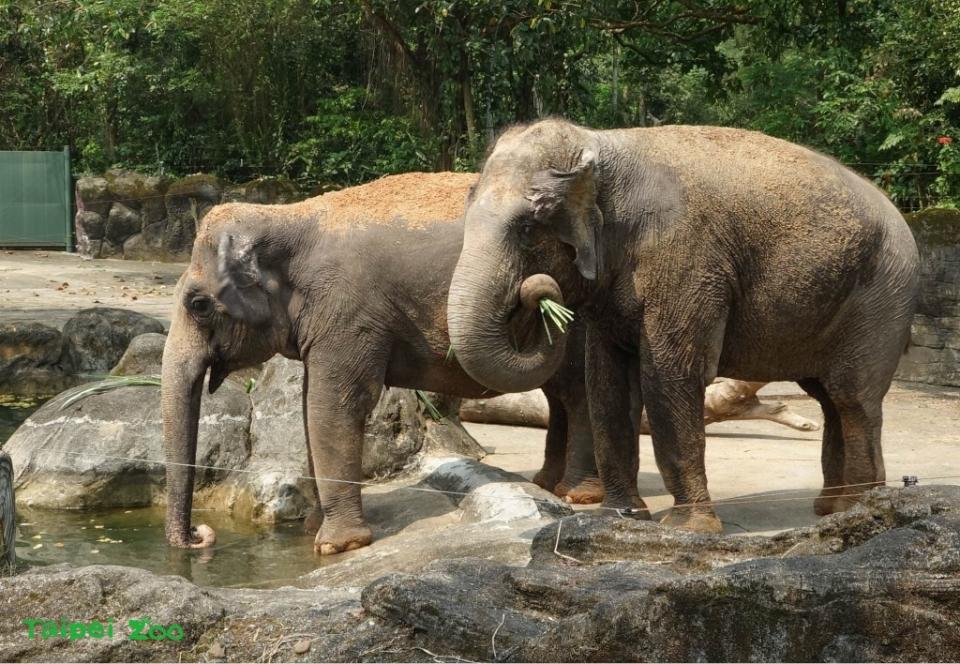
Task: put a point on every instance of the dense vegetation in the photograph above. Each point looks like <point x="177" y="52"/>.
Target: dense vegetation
<point x="334" y="92"/>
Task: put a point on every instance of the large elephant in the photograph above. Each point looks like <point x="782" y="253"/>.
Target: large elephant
<point x="354" y="283"/>
<point x="692" y="252"/>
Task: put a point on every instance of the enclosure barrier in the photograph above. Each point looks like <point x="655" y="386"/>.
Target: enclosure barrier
<point x="35" y="199"/>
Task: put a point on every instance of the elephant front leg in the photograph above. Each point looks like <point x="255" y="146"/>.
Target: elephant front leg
<point x="614" y="438"/>
<point x="314" y="518"/>
<point x="555" y="450"/>
<point x="335" y="420"/>
<point x="679" y="445"/>
<point x="581" y="482"/>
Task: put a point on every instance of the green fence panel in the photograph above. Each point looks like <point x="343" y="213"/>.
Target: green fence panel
<point x="35" y="199"/>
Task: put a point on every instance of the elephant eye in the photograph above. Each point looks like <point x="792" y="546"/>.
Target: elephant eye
<point x="527" y="231"/>
<point x="201" y="306"/>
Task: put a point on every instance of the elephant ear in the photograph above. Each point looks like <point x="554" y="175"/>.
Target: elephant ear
<point x="566" y="201"/>
<point x="241" y="287"/>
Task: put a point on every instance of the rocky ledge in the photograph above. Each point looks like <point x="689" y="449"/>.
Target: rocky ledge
<point x="880" y="582"/>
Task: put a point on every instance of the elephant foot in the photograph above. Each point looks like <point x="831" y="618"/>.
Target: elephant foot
<point x="703" y="520"/>
<point x="830" y="502"/>
<point x="331" y="540"/>
<point x="547" y="478"/>
<point x="313" y="520"/>
<point x="824" y="504"/>
<point x="587" y="491"/>
<point x="200" y="537"/>
<point x="638" y="508"/>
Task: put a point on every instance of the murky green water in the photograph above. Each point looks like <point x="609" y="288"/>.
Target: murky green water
<point x="13" y="411"/>
<point x="244" y="555"/>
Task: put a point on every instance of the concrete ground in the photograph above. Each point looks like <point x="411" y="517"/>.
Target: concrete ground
<point x="774" y="471"/>
<point x="50" y="286"/>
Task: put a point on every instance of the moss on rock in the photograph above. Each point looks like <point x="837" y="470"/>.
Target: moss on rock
<point x="937" y="227"/>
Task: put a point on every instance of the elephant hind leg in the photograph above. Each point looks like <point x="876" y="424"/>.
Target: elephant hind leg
<point x="831" y="452"/>
<point x="852" y="454"/>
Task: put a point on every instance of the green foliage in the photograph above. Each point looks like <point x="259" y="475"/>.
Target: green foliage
<point x="348" y="143"/>
<point x="335" y="92"/>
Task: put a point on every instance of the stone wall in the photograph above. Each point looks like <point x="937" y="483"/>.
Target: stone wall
<point x="122" y="214"/>
<point x="934" y="354"/>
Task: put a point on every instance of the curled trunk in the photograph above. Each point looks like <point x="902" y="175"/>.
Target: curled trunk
<point x="483" y="303"/>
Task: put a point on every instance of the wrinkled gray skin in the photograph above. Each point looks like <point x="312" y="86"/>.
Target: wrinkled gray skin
<point x="363" y="305"/>
<point x="692" y="252"/>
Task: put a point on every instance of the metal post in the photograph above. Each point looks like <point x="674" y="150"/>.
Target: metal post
<point x="68" y="185"/>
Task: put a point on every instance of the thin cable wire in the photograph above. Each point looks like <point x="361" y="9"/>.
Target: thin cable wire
<point x="618" y="510"/>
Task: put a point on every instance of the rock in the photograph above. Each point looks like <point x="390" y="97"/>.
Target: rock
<point x="594" y="538"/>
<point x="109" y="250"/>
<point x="91" y="224"/>
<point x="888" y="594"/>
<point x="122" y="222"/>
<point x="147" y="245"/>
<point x="935" y="340"/>
<point x="95" y="339"/>
<point x="263" y="191"/>
<point x="523" y="409"/>
<point x="92" y="194"/>
<point x="488" y="493"/>
<point x="895" y="579"/>
<point x="396" y="431"/>
<point x="143" y="356"/>
<point x="29" y="360"/>
<point x="32" y="344"/>
<point x="8" y="515"/>
<point x="90" y="227"/>
<point x="248" y="625"/>
<point x="106" y="450"/>
<point x="187" y="201"/>
<point x="134" y="189"/>
<point x="457" y="508"/>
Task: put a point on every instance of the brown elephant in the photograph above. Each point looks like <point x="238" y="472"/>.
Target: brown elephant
<point x="692" y="252"/>
<point x="353" y="283"/>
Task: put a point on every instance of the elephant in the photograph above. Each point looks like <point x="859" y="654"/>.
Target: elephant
<point x="354" y="284"/>
<point x="691" y="252"/>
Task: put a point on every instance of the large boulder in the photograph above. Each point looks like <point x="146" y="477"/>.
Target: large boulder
<point x="122" y="222"/>
<point x="106" y="449"/>
<point x="187" y="201"/>
<point x="263" y="191"/>
<point x="95" y="339"/>
<point x="218" y="624"/>
<point x="275" y="485"/>
<point x="877" y="583"/>
<point x="29" y="357"/>
<point x="143" y="356"/>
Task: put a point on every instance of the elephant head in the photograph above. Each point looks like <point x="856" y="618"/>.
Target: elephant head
<point x="532" y="230"/>
<point x="231" y="311"/>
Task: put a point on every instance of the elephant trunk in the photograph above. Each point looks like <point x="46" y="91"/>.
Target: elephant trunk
<point x="183" y="370"/>
<point x="480" y="308"/>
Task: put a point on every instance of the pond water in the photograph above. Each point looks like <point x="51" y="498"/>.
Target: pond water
<point x="13" y="411"/>
<point x="244" y="555"/>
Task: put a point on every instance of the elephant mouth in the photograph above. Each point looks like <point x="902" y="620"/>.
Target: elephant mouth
<point x="524" y="320"/>
<point x="219" y="370"/>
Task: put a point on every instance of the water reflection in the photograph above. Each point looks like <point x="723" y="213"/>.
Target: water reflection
<point x="245" y="554"/>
